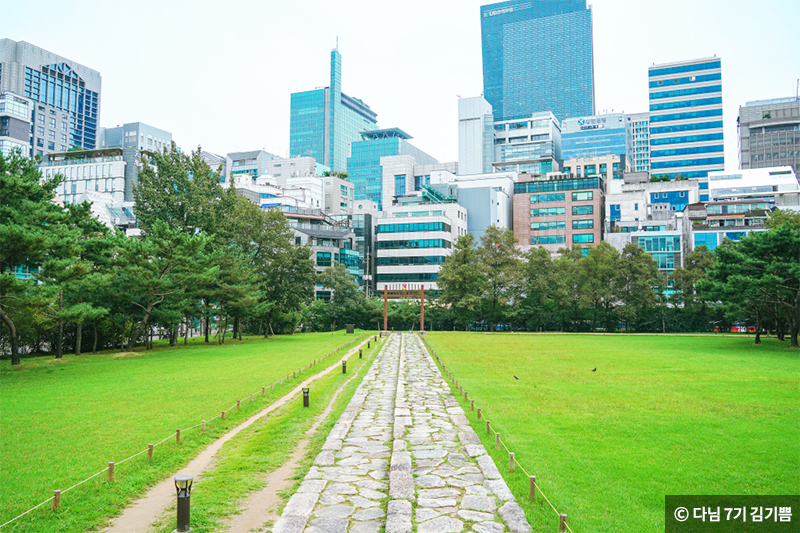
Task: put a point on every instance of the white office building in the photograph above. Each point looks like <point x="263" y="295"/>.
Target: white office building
<point x="475" y="136"/>
<point x="638" y="139"/>
<point x="413" y="238"/>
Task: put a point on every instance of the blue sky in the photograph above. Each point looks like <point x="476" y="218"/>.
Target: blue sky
<point x="220" y="73"/>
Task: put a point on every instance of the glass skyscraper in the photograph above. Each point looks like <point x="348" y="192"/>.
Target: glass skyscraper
<point x="325" y="121"/>
<point x="537" y="56"/>
<point x="686" y="118"/>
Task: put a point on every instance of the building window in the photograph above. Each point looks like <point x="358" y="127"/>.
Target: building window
<point x="583" y="238"/>
<point x="583" y="224"/>
<point x="63" y="126"/>
<point x="582" y="196"/>
<point x="52" y="122"/>
<point x="51" y="134"/>
<point x="40" y="119"/>
<point x="400" y="184"/>
<point x="583" y="210"/>
<point x="39" y="131"/>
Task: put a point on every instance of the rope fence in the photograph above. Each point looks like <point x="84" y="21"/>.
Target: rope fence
<point x="533" y="486"/>
<point x="56" y="497"/>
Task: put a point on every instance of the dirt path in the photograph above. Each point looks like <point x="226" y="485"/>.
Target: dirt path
<point x="138" y="516"/>
<point x="262" y="506"/>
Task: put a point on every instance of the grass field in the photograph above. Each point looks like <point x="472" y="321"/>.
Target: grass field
<point x="63" y="420"/>
<point x="661" y="415"/>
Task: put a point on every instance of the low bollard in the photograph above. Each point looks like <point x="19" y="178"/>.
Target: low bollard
<point x="488" y="427"/>
<point x="367" y="345"/>
<point x="360" y="353"/>
<point x="223" y="415"/>
<point x="306" y="393"/>
<point x="562" y="523"/>
<point x="344" y="367"/>
<point x="511" y="461"/>
<point x="479" y="413"/>
<point x="532" y="488"/>
<point x="472" y="405"/>
<point x="183" y="484"/>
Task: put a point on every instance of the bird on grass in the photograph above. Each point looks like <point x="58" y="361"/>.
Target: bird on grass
<point x="594" y="369"/>
<point x="515" y="377"/>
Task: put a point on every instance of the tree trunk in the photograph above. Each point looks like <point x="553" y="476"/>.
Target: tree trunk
<point x="94" y="346"/>
<point x="15" y="360"/>
<point x="60" y="338"/>
<point x="206" y="325"/>
<point x="79" y="339"/>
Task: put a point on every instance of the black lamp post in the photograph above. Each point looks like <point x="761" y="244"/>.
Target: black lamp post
<point x="183" y="484"/>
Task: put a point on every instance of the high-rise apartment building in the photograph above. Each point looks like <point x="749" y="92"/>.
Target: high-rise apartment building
<point x="475" y="136"/>
<point x="638" y="140"/>
<point x="65" y="96"/>
<point x="325" y="121"/>
<point x="769" y="134"/>
<point x="593" y="136"/>
<point x="686" y="118"/>
<point x="537" y="56"/>
<point x="365" y="168"/>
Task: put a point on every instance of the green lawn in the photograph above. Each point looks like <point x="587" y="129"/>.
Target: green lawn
<point x="63" y="420"/>
<point x="661" y="415"/>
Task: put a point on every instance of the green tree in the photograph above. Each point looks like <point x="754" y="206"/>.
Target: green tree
<point x="535" y="308"/>
<point x="461" y="281"/>
<point x="599" y="281"/>
<point x="639" y="285"/>
<point x="500" y="265"/>
<point x="29" y="225"/>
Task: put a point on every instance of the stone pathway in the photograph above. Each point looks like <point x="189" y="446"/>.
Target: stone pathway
<point x="403" y="454"/>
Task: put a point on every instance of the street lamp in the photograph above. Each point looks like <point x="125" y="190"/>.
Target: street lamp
<point x="183" y="484"/>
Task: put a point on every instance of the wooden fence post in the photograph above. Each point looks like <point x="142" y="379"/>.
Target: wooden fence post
<point x="497" y="441"/>
<point x="149" y="452"/>
<point x="223" y="415"/>
<point x="110" y="472"/>
<point x="204" y="426"/>
<point x="532" y="488"/>
<point x="238" y="404"/>
<point x="479" y="413"/>
<point x="472" y="405"/>
<point x="56" y="499"/>
<point x="562" y="523"/>
<point x="511" y="461"/>
<point x="488" y="427"/>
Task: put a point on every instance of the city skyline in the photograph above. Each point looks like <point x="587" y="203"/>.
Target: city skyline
<point x="213" y="81"/>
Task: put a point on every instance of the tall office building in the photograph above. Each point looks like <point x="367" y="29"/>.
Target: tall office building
<point x="686" y="118"/>
<point x="638" y="140"/>
<point x="593" y="136"/>
<point x="769" y="134"/>
<point x="366" y="169"/>
<point x="65" y="96"/>
<point x="537" y="56"/>
<point x="475" y="136"/>
<point x="325" y="121"/>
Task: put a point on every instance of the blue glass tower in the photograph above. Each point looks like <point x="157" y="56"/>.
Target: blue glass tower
<point x="325" y="121"/>
<point x="364" y="164"/>
<point x="537" y="56"/>
<point x="686" y="118"/>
